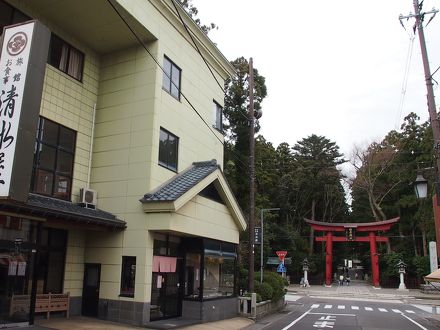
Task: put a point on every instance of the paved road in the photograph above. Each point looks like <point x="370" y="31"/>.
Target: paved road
<point x="329" y="313"/>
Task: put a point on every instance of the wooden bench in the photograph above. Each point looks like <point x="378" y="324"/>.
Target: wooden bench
<point x="45" y="303"/>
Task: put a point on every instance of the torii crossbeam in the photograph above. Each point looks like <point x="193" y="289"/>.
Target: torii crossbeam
<point x="350" y="230"/>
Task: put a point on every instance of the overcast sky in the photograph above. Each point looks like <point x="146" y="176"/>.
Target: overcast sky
<point x="332" y="68"/>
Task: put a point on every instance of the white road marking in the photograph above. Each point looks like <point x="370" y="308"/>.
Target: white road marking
<point x="419" y="325"/>
<point x="291" y="297"/>
<point x="369" y="309"/>
<point x="396" y="311"/>
<point x="341" y="307"/>
<point x="355" y="308"/>
<point x="337" y="314"/>
<point x="315" y="306"/>
<point x="328" y="306"/>
<point x="383" y="310"/>
<point x="297" y="320"/>
<point x="426" y="308"/>
<point x="410" y="312"/>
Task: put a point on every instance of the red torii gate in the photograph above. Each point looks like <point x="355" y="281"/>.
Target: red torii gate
<point x="350" y="230"/>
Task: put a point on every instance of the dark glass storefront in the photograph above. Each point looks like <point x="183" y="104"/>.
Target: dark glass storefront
<point x="189" y="272"/>
<point x="24" y="273"/>
<point x="17" y="255"/>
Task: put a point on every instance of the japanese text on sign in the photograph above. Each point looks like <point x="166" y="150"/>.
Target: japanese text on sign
<point x="13" y="69"/>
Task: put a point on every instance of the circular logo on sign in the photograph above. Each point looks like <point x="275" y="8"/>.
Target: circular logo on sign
<point x="17" y="43"/>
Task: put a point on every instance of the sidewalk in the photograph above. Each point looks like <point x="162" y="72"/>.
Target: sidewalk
<point x="363" y="290"/>
<point x="86" y="323"/>
<point x="355" y="290"/>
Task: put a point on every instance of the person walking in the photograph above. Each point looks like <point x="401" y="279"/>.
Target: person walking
<point x="341" y="279"/>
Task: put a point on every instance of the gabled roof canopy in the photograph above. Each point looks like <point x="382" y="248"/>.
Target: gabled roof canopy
<point x="178" y="191"/>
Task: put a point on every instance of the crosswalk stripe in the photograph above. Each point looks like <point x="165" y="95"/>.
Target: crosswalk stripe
<point x="315" y="306"/>
<point x="383" y="310"/>
<point x="328" y="306"/>
<point x="341" y="307"/>
<point x="355" y="307"/>
<point x="396" y="311"/>
<point x="410" y="312"/>
<point x="369" y="309"/>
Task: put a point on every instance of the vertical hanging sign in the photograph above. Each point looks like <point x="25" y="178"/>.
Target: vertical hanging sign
<point x="22" y="66"/>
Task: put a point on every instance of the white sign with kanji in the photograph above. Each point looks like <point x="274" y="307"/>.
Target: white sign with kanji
<point x="13" y="69"/>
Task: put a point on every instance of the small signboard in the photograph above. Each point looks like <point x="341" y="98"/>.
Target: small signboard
<point x="257" y="235"/>
<point x="281" y="254"/>
<point x="281" y="268"/>
<point x="276" y="261"/>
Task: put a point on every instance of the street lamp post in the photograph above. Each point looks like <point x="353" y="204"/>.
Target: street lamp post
<point x="262" y="239"/>
<point x="421" y="190"/>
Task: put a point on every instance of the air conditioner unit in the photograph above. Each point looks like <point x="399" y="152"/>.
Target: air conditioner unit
<point x="88" y="197"/>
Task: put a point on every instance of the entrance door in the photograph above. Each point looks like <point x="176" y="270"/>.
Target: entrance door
<point x="90" y="299"/>
<point x="166" y="294"/>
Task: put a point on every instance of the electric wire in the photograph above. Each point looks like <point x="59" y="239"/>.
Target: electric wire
<point x="203" y="58"/>
<point x="163" y="70"/>
<point x="405" y="80"/>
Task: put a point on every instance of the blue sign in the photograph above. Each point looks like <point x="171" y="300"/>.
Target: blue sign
<point x="281" y="268"/>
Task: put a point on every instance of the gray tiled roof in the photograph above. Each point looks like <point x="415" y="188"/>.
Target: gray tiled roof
<point x="182" y="182"/>
<point x="69" y="210"/>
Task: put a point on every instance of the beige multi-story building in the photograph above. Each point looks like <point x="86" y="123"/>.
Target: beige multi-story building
<point x="116" y="194"/>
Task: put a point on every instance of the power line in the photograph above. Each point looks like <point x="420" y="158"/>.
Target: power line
<point x="405" y="80"/>
<point x="163" y="70"/>
<point x="203" y="58"/>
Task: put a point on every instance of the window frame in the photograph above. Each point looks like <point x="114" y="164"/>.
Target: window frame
<point x="65" y="70"/>
<point x="166" y="163"/>
<point x="218" y="122"/>
<point x="169" y="76"/>
<point x="127" y="265"/>
<point x="58" y="149"/>
<point x="13" y="17"/>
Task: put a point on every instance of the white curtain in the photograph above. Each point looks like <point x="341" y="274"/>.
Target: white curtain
<point x="75" y="64"/>
<point x="63" y="59"/>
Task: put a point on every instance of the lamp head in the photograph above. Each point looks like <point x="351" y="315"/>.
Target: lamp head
<point x="421" y="186"/>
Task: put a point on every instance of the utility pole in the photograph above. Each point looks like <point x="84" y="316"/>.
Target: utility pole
<point x="251" y="176"/>
<point x="433" y="116"/>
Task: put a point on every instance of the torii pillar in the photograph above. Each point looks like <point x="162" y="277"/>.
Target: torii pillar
<point x="374" y="259"/>
<point x="328" y="259"/>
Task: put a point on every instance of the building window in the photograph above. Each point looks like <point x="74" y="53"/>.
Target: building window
<point x="218" y="116"/>
<point x="65" y="57"/>
<point x="9" y="15"/>
<point x="168" y="149"/>
<point x="128" y="276"/>
<point x="218" y="273"/>
<point x="53" y="160"/>
<point x="50" y="267"/>
<point x="171" y="78"/>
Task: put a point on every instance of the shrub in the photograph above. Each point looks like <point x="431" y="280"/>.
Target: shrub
<point x="264" y="290"/>
<point x="276" y="282"/>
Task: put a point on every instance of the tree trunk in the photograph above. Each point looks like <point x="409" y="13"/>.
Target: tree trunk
<point x="416" y="253"/>
<point x="373" y="209"/>
<point x="312" y="232"/>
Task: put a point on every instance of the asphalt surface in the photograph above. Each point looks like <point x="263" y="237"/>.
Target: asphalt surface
<point x="304" y="312"/>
